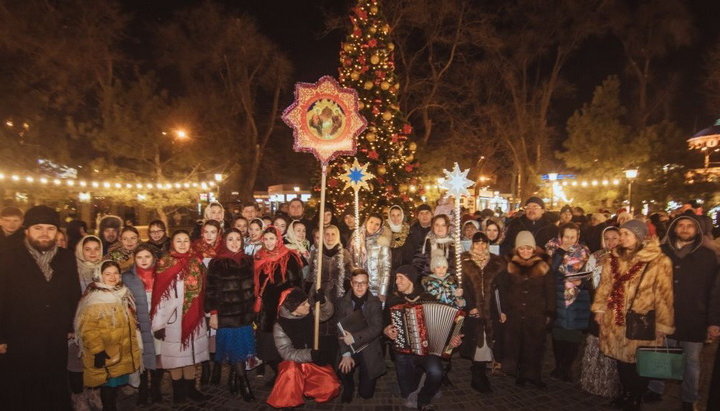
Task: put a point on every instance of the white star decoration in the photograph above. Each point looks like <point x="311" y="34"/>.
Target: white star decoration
<point x="357" y="176"/>
<point x="456" y="182"/>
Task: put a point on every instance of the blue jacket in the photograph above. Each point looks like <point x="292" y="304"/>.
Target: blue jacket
<point x="576" y="316"/>
<point x="136" y="287"/>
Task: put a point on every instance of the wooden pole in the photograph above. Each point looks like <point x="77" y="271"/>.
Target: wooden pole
<point x="318" y="274"/>
<point x="458" y="245"/>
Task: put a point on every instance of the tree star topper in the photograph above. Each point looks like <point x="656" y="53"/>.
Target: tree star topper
<point x="456" y="182"/>
<point x="357" y="176"/>
<point x="325" y="119"/>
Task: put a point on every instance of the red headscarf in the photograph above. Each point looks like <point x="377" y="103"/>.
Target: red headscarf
<point x="224" y="252"/>
<point x="267" y="261"/>
<point x="189" y="268"/>
<point x="205" y="250"/>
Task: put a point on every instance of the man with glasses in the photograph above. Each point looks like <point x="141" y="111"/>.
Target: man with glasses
<point x="534" y="221"/>
<point x="369" y="360"/>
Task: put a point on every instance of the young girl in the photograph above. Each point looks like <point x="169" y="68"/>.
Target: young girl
<point x="122" y="252"/>
<point x="229" y="300"/>
<point x="254" y="240"/>
<point x="107" y="333"/>
<point x="178" y="318"/>
<point x="442" y="286"/>
<point x="208" y="245"/>
<point x="139" y="280"/>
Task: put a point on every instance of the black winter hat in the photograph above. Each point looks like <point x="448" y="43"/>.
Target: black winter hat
<point x="566" y="208"/>
<point x="408" y="271"/>
<point x="41" y="215"/>
<point x="294" y="298"/>
<point x="423" y="207"/>
<point x="536" y="200"/>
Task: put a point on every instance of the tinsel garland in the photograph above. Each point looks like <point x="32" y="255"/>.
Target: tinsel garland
<point x="616" y="300"/>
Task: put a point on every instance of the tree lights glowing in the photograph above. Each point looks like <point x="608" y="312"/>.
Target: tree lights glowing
<point x="367" y="65"/>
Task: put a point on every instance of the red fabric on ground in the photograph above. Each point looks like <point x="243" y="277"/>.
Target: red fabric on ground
<point x="297" y="380"/>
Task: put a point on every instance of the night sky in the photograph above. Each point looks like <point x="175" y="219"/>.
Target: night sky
<point x="298" y="26"/>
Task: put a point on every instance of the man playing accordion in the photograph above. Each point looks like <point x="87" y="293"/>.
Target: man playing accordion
<point x="410" y="365"/>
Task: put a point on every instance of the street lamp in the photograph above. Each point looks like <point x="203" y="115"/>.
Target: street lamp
<point x="631" y="174"/>
<point x="553" y="178"/>
<point x="181" y="134"/>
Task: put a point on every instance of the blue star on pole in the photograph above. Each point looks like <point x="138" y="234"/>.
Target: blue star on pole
<point x="357" y="176"/>
<point x="456" y="181"/>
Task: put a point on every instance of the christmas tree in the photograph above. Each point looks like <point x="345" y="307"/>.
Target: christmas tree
<point x="367" y="65"/>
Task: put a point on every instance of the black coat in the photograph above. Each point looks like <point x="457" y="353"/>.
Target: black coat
<point x="479" y="292"/>
<point x="543" y="230"/>
<point x="413" y="242"/>
<point x="36" y="316"/>
<point x="693" y="280"/>
<point x="372" y="335"/>
<point x="230" y="292"/>
<point x="11" y="241"/>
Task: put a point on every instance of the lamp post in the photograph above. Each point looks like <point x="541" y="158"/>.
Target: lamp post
<point x="631" y="174"/>
<point x="553" y="178"/>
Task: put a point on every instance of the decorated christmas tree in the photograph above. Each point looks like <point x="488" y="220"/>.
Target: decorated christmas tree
<point x="367" y="65"/>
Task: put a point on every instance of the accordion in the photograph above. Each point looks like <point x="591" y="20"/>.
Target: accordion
<point x="426" y="328"/>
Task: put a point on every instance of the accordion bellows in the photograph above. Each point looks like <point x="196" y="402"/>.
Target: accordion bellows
<point x="426" y="329"/>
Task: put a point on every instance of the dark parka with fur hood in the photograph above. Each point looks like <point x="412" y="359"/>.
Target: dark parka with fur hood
<point x="694" y="272"/>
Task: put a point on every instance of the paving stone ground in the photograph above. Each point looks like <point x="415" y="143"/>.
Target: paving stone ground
<point x="506" y="396"/>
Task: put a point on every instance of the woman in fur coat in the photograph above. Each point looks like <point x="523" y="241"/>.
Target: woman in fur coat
<point x="527" y="303"/>
<point x="480" y="268"/>
<point x="107" y="333"/>
<point x="637" y="273"/>
<point x="229" y="300"/>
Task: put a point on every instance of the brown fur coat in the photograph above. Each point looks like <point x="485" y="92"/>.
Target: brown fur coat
<point x="655" y="293"/>
<point x="479" y="293"/>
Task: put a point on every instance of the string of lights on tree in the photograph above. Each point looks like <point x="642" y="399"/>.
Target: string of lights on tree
<point x="367" y="65"/>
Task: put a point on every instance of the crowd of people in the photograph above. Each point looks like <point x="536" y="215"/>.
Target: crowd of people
<point x="82" y="315"/>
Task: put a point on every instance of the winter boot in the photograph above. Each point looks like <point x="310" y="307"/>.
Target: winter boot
<point x="480" y="381"/>
<point x="143" y="391"/>
<point x="108" y="395"/>
<point x="446" y="372"/>
<point x="156" y="377"/>
<point x="179" y="392"/>
<point x="233" y="381"/>
<point x="80" y="401"/>
<point x="244" y="383"/>
<point x="216" y="373"/>
<point x="193" y="393"/>
<point x="205" y="375"/>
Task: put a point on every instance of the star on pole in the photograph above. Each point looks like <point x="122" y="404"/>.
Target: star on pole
<point x="456" y="181"/>
<point x="357" y="176"/>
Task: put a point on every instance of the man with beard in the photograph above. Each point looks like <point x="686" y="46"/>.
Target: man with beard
<point x="39" y="289"/>
<point x="109" y="230"/>
<point x="418" y="231"/>
<point x="694" y="271"/>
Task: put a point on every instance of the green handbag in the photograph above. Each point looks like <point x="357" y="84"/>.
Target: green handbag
<point x="661" y="363"/>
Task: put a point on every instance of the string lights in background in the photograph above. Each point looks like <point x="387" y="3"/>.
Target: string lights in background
<point x="84" y="185"/>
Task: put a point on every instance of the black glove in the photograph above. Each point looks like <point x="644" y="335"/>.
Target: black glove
<point x="100" y="359"/>
<point x="320" y="297"/>
<point x="321" y="357"/>
<point x="160" y="334"/>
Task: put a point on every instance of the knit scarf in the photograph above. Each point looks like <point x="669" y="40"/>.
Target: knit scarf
<point x="298" y="329"/>
<point x="267" y="261"/>
<point x="481" y="259"/>
<point x="616" y="299"/>
<point x="189" y="268"/>
<point x="438" y="243"/>
<point x="43" y="259"/>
